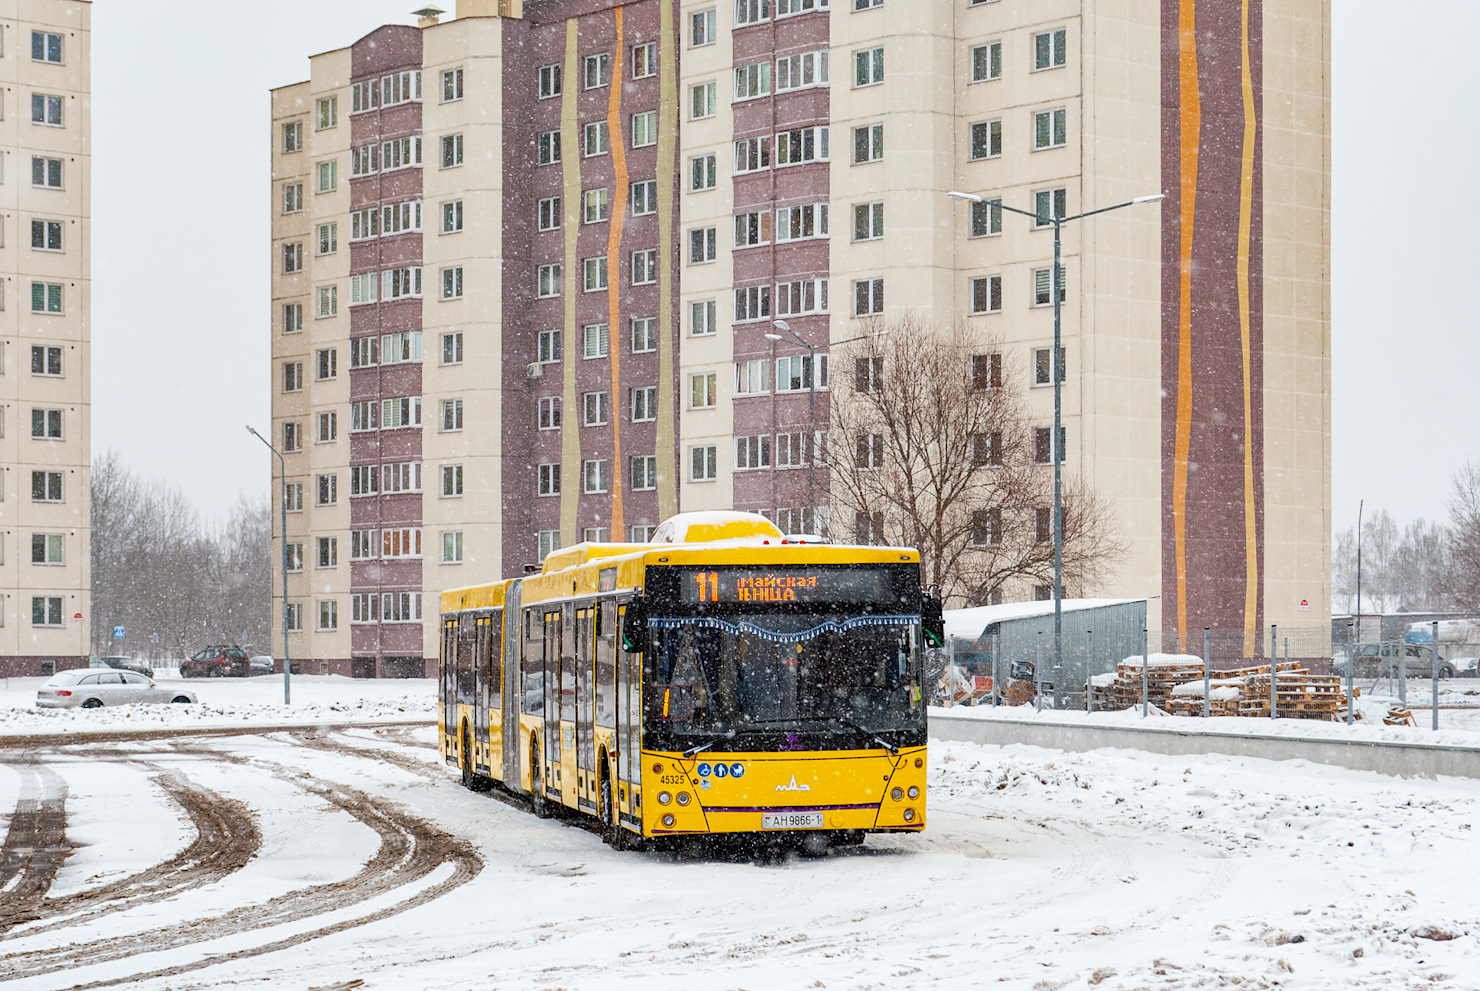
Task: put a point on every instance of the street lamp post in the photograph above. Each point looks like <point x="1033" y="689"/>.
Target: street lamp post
<point x="1055" y="447"/>
<point x="283" y="500"/>
<point x="812" y="350"/>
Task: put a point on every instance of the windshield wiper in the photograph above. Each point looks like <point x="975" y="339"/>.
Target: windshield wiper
<point x="705" y="746"/>
<point x="869" y="733"/>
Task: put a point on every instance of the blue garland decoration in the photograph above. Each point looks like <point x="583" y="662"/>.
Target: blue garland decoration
<point x="831" y="626"/>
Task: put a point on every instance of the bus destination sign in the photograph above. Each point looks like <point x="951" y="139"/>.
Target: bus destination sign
<point x="799" y="585"/>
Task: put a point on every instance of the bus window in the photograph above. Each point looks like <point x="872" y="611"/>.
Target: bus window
<point x="466" y="644"/>
<point x="606" y="626"/>
<point x="533" y="666"/>
<point x="568" y="666"/>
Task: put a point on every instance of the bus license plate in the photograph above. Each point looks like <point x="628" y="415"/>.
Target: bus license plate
<point x="791" y="820"/>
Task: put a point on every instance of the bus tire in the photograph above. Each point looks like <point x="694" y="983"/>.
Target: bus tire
<point x="537" y="801"/>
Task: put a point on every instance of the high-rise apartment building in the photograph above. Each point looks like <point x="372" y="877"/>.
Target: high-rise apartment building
<point x="526" y="262"/>
<point x="45" y="313"/>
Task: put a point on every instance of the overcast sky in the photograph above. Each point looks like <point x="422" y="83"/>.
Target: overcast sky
<point x="181" y="241"/>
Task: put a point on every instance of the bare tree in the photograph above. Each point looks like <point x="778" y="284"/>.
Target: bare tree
<point x="1463" y="580"/>
<point x="1404" y="569"/>
<point x="931" y="447"/>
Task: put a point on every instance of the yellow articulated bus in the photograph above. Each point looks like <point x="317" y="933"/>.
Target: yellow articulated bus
<point x="721" y="680"/>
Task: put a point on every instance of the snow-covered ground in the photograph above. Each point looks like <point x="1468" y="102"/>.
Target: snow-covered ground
<point x="228" y="703"/>
<point x="1039" y="870"/>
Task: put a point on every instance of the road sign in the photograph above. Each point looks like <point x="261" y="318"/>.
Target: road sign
<point x="117" y="633"/>
<point x="1305" y="605"/>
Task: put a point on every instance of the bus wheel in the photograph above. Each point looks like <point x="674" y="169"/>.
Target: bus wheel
<point x="537" y="798"/>
<point x="467" y="759"/>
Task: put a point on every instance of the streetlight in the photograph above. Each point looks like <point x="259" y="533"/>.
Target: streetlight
<point x="812" y="350"/>
<point x="1058" y="393"/>
<point x="287" y="683"/>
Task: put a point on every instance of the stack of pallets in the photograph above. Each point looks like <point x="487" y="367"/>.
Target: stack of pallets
<point x="1164" y="673"/>
<point x="1296" y="694"/>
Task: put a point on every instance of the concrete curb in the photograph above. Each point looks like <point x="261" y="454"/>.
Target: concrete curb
<point x="27" y="741"/>
<point x="1400" y="759"/>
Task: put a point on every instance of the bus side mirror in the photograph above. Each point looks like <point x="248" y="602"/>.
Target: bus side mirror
<point x="635" y="634"/>
<point x="933" y="620"/>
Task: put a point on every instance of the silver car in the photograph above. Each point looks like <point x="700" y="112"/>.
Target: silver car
<point x="93" y="689"/>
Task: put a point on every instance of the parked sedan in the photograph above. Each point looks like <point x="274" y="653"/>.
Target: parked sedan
<point x="261" y="664"/>
<point x="92" y="689"/>
<point x="1466" y="667"/>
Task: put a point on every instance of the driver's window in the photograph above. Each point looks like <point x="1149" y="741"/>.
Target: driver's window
<point x="111" y="678"/>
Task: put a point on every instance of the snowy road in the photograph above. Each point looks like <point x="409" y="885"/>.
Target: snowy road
<point x="310" y="860"/>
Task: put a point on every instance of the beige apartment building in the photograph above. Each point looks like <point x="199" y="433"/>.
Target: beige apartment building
<point x="595" y="213"/>
<point x="45" y="314"/>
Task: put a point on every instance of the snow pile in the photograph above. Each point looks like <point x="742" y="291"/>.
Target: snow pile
<point x="1154" y="661"/>
<point x="1218" y="691"/>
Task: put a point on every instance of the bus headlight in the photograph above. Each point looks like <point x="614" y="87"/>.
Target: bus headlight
<point x="683" y="798"/>
<point x="909" y="815"/>
<point x="919" y="762"/>
<point x="664" y="798"/>
<point x="896" y="794"/>
<point x="668" y="820"/>
<point x="914" y="792"/>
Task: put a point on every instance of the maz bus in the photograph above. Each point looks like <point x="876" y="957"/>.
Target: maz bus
<point x="719" y="680"/>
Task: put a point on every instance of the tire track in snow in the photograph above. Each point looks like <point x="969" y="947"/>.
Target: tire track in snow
<point x="36" y="842"/>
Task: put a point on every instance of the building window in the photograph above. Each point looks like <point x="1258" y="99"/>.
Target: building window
<point x="644" y="474"/>
<point x="549" y="81"/>
<point x="1043" y="533"/>
<point x="801" y="297"/>
<point x="401" y="217"/>
<point x="364" y="224"/>
<point x="452" y="85"/>
<point x="703" y="101"/>
<point x="868" y="67"/>
<point x="364" y="288"/>
<point x="452" y="414"/>
<point x="452" y="150"/>
<point x="704" y="317"/>
<point x="327" y="362"/>
<point x="295" y="557"/>
<point x="400" y="542"/>
<point x="328" y="238"/>
<point x="703" y="391"/>
<point x="452" y="547"/>
<point x="644" y="267"/>
<point x="596" y="409"/>
<point x="594" y="476"/>
<point x="46" y="173"/>
<point x="644" y="197"/>
<point x="292" y="258"/>
<point x="402" y="607"/>
<point x="328" y="113"/>
<point x="292" y="376"/>
<point x="868" y="374"/>
<point x="46" y="424"/>
<point x="703" y="464"/>
<point x="328" y="301"/>
<point x="549" y="418"/>
<point x="868" y="221"/>
<point x="1050" y="49"/>
<point x="328" y="615"/>
<point x="752" y="229"/>
<point x="549" y="479"/>
<point x="803" y="145"/>
<point x="752" y="81"/>
<point x="549" y="346"/>
<point x="1043" y="445"/>
<point x="644" y="334"/>
<point x="596" y="338"/>
<point x="703" y="24"/>
<point x="752" y="155"/>
<point x="794" y="450"/>
<point x="46" y="610"/>
<point x="868" y="144"/>
<point x="364" y="160"/>
<point x="986" y="449"/>
<point x="986" y="294"/>
<point x="752" y="303"/>
<point x="549" y="147"/>
<point x="328" y="490"/>
<point x="328" y="552"/>
<point x="986" y="62"/>
<point x="402" y="153"/>
<point x="452" y="283"/>
<point x="1050" y="129"/>
<point x="549" y="281"/>
<point x="644" y="60"/>
<point x="794" y="373"/>
<point x="549" y="214"/>
<point x="645" y="129"/>
<point x="1050" y="205"/>
<point x="402" y="412"/>
<point x="868" y="297"/>
<point x="1042" y="374"/>
<point x="750" y="377"/>
<point x="46" y="360"/>
<point x="47" y="109"/>
<point x="869" y="452"/>
<point x="452" y="217"/>
<point x="644" y="403"/>
<point x="294" y="497"/>
<point x="703" y="245"/>
<point x="802" y="70"/>
<point x="702" y="173"/>
<point x="598" y="70"/>
<point x="292" y="437"/>
<point x="986" y="140"/>
<point x="328" y="176"/>
<point x="752" y="452"/>
<point x="46" y="548"/>
<point x="292" y="318"/>
<point x="46" y="297"/>
<point x="362" y="607"/>
<point x="46" y="235"/>
<point x="986" y="218"/>
<point x="452" y="481"/>
<point x="549" y="542"/>
<point x="328" y="427"/>
<point x="46" y="486"/>
<point x="46" y="47"/>
<point x="364" y="480"/>
<point x="986" y="527"/>
<point x="452" y="348"/>
<point x="1042" y="280"/>
<point x="292" y="133"/>
<point x="294" y="620"/>
<point x="595" y="274"/>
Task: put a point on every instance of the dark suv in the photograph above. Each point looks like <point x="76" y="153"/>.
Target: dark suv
<point x="122" y="664"/>
<point x="217" y="661"/>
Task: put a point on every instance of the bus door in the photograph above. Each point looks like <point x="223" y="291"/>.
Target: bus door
<point x="585" y="743"/>
<point x="550" y="750"/>
<point x="508" y="660"/>
<point x="466" y="687"/>
<point x="481" y="679"/>
<point x="565" y="776"/>
<point x="447" y="684"/>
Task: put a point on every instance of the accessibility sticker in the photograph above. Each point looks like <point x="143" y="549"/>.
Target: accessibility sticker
<point x="702" y="770"/>
<point x="720" y="770"/>
<point x="737" y="770"/>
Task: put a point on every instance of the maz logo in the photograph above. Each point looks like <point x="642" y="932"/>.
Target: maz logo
<point x="793" y="786"/>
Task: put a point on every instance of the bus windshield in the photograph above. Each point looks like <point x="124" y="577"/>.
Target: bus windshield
<point x="720" y="677"/>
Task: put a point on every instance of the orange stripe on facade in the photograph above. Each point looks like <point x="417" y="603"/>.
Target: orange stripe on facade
<point x="618" y="140"/>
<point x="1245" y="225"/>
<point x="1191" y="126"/>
